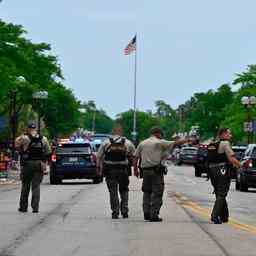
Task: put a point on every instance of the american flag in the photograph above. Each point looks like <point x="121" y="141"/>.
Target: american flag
<point x="131" y="47"/>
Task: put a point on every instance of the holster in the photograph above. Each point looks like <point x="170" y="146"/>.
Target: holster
<point x="161" y="169"/>
<point x="158" y="169"/>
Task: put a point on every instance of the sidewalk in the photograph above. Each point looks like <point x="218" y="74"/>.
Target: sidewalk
<point x="13" y="177"/>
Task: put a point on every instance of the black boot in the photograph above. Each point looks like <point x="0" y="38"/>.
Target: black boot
<point x="146" y="216"/>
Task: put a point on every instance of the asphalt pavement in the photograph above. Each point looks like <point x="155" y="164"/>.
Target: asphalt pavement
<point x="75" y="219"/>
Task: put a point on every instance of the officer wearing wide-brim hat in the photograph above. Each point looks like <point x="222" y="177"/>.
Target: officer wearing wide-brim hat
<point x="34" y="150"/>
<point x="150" y="153"/>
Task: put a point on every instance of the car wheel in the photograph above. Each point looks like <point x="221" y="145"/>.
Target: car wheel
<point x="243" y="184"/>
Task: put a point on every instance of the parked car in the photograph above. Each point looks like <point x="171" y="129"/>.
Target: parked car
<point x="73" y="161"/>
<point x="239" y="153"/>
<point x="188" y="155"/>
<point x="246" y="174"/>
<point x="201" y="165"/>
<point x="97" y="139"/>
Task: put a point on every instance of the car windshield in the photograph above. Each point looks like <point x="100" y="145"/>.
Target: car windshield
<point x="101" y="138"/>
<point x="254" y="153"/>
<point x="74" y="148"/>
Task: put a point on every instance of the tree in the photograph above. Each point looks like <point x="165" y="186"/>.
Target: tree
<point x="19" y="57"/>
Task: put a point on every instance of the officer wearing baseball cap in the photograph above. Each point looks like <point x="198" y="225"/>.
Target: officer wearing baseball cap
<point x="34" y="150"/>
<point x="150" y="153"/>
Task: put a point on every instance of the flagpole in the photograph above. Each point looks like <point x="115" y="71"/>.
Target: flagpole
<point x="135" y="96"/>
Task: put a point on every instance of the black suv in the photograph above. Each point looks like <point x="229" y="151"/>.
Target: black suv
<point x="246" y="174"/>
<point x="73" y="161"/>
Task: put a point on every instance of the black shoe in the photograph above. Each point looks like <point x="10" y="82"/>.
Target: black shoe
<point x="35" y="211"/>
<point x="224" y="220"/>
<point x="216" y="220"/>
<point x="125" y="215"/>
<point x="146" y="216"/>
<point x="22" y="210"/>
<point x="156" y="219"/>
<point x="115" y="216"/>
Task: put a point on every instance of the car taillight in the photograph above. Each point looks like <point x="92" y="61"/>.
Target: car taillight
<point x="93" y="158"/>
<point x="248" y="163"/>
<point x="54" y="158"/>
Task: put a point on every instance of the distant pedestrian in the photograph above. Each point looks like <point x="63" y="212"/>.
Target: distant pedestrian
<point x="113" y="158"/>
<point x="150" y="154"/>
<point x="34" y="150"/>
<point x="220" y="159"/>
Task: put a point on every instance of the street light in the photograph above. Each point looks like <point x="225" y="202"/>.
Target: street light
<point x="38" y="96"/>
<point x="248" y="102"/>
<point x="13" y="110"/>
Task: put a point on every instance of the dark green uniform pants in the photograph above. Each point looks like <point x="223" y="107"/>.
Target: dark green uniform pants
<point x="220" y="180"/>
<point x="153" y="188"/>
<point x="118" y="180"/>
<point x="31" y="176"/>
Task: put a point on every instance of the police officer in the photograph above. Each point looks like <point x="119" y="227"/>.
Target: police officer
<point x="150" y="153"/>
<point x="219" y="173"/>
<point x="113" y="159"/>
<point x="34" y="150"/>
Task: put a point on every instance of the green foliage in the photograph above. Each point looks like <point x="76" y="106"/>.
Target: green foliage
<point x="95" y="119"/>
<point x="207" y="110"/>
<point x="19" y="57"/>
<point x="144" y="122"/>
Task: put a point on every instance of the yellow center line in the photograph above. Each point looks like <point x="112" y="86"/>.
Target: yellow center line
<point x="206" y="212"/>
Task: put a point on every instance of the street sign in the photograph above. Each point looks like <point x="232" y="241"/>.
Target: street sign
<point x="248" y="126"/>
<point x="134" y="133"/>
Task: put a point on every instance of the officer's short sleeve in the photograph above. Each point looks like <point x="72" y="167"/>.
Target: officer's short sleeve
<point x="130" y="147"/>
<point x="19" y="142"/>
<point x="166" y="144"/>
<point x="138" y="151"/>
<point x="100" y="153"/>
<point x="227" y="148"/>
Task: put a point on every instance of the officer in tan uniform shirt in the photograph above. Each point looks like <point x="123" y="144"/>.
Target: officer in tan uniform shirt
<point x="32" y="166"/>
<point x="219" y="174"/>
<point x="116" y="170"/>
<point x="150" y="153"/>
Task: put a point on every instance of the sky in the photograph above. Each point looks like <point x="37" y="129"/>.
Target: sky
<point x="183" y="47"/>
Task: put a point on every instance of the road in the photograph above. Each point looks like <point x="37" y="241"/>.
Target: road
<point x="74" y="219"/>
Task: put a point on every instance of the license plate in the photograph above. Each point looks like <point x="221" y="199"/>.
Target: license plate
<point x="73" y="159"/>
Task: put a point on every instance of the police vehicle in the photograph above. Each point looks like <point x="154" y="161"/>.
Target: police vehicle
<point x="73" y="160"/>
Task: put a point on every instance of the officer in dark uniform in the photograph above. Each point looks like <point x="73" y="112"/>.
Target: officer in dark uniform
<point x="220" y="161"/>
<point x="33" y="163"/>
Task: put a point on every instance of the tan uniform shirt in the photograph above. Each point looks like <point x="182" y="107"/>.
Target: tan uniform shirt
<point x="101" y="152"/>
<point x="152" y="150"/>
<point x="22" y="143"/>
<point x="225" y="147"/>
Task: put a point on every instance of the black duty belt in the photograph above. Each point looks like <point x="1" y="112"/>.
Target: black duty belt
<point x="211" y="165"/>
<point x="149" y="168"/>
<point x="115" y="165"/>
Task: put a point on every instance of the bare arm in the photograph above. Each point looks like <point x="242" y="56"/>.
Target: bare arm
<point x="234" y="161"/>
<point x="135" y="166"/>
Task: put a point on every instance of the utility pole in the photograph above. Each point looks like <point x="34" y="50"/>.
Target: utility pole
<point x="13" y="119"/>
